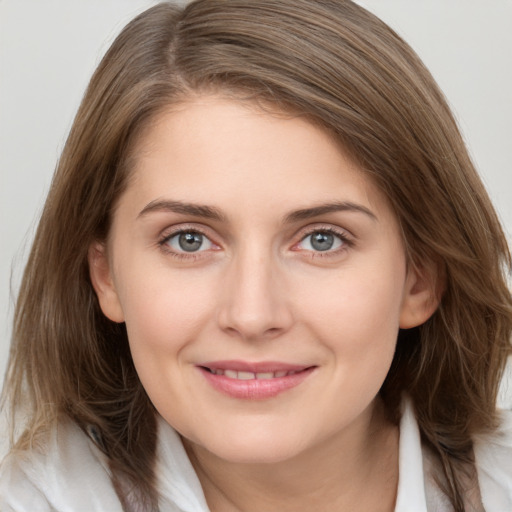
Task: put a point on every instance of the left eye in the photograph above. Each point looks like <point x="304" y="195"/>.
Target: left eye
<point x="321" y="241"/>
<point x="189" y="241"/>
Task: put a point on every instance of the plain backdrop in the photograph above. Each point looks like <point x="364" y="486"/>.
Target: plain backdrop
<point x="49" y="48"/>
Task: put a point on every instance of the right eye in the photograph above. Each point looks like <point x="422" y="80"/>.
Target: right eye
<point x="188" y="242"/>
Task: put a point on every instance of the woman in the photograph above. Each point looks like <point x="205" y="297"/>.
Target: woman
<point x="267" y="277"/>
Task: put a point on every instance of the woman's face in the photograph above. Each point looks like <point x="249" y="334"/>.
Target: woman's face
<point x="262" y="279"/>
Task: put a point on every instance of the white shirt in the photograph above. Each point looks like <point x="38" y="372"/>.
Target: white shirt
<point x="73" y="475"/>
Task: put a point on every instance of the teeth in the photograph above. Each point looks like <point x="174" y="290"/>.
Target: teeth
<point x="268" y="375"/>
<point x="246" y="376"/>
<point x="243" y="375"/>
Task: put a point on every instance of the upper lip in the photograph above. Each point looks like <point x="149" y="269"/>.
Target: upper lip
<point x="254" y="367"/>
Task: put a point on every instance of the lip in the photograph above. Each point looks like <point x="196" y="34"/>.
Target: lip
<point x="254" y="367"/>
<point x="254" y="388"/>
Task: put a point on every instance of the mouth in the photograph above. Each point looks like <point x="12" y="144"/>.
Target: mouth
<point x="245" y="375"/>
<point x="260" y="381"/>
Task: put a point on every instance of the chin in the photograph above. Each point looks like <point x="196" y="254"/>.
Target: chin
<point x="259" y="450"/>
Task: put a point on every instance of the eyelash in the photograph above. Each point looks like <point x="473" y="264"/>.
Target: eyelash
<point x="346" y="242"/>
<point x="190" y="256"/>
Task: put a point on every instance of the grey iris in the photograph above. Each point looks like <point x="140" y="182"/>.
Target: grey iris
<point x="190" y="242"/>
<point x="322" y="241"/>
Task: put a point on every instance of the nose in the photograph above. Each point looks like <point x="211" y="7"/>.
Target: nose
<point x="254" y="302"/>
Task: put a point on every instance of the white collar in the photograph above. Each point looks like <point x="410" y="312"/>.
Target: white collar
<point x="181" y="490"/>
<point x="411" y="481"/>
<point x="178" y="484"/>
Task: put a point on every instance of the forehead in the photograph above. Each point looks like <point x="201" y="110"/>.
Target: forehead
<point x="214" y="149"/>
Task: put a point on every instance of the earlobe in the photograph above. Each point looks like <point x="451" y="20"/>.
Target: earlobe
<point x="102" y="282"/>
<point x="421" y="297"/>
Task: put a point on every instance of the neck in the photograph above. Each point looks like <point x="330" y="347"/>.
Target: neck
<point x="355" y="470"/>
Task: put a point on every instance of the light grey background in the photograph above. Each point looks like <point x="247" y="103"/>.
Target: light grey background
<point x="49" y="48"/>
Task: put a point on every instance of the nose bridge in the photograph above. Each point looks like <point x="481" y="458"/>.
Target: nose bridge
<point x="253" y="304"/>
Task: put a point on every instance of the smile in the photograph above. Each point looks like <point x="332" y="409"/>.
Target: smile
<point x="243" y="375"/>
<point x="254" y="381"/>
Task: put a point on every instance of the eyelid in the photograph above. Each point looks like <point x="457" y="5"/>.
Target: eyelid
<point x="170" y="232"/>
<point x="329" y="228"/>
<point x="185" y="227"/>
<point x="174" y="242"/>
<point x="347" y="238"/>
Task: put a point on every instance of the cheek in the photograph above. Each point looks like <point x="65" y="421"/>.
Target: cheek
<point x="164" y="310"/>
<point x="357" y="316"/>
<point x="165" y="313"/>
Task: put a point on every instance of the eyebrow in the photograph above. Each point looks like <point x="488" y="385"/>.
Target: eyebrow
<point x="196" y="210"/>
<point x="322" y="209"/>
<point x="210" y="212"/>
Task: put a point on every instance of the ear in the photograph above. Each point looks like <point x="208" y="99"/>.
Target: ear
<point x="102" y="282"/>
<point x="422" y="294"/>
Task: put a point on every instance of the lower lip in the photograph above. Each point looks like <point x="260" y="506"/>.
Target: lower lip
<point x="255" y="389"/>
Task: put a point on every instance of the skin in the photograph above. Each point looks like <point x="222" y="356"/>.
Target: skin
<point x="257" y="290"/>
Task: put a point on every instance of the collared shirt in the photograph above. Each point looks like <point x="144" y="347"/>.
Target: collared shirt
<point x="73" y="474"/>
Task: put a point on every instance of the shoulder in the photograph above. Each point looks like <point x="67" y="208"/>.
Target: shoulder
<point x="493" y="460"/>
<point x="419" y="470"/>
<point x="66" y="472"/>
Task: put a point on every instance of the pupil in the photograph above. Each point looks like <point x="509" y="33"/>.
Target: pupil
<point x="190" y="242"/>
<point x="322" y="241"/>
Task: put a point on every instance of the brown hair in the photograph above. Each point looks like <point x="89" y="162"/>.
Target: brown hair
<point x="343" y="68"/>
